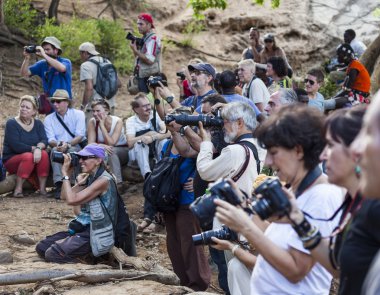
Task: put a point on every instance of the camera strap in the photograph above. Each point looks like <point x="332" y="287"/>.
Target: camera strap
<point x="247" y="144"/>
<point x="64" y="125"/>
<point x="308" y="180"/>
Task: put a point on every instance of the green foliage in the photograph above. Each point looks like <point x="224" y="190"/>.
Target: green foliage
<point x="21" y="15"/>
<point x="201" y="5"/>
<point x="108" y="37"/>
<point x="376" y="12"/>
<point x="195" y="26"/>
<point x="329" y="88"/>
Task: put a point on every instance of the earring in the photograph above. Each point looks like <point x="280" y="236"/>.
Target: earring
<point x="358" y="170"/>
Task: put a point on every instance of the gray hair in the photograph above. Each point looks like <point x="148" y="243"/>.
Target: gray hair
<point x="288" y="96"/>
<point x="236" y="110"/>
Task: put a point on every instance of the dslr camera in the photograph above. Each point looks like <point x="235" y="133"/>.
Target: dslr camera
<point x="139" y="41"/>
<point x="181" y="75"/>
<point x="57" y="157"/>
<point x="223" y="233"/>
<point x="31" y="48"/>
<point x="204" y="208"/>
<point x="274" y="202"/>
<point x="193" y="120"/>
<point x="153" y="81"/>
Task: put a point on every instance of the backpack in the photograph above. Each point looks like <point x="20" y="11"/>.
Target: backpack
<point x="106" y="79"/>
<point x="162" y="187"/>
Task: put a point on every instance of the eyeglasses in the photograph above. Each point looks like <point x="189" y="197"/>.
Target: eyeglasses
<point x="146" y="106"/>
<point x="197" y="72"/>
<point x="84" y="158"/>
<point x="53" y="101"/>
<point x="268" y="41"/>
<point x="309" y="81"/>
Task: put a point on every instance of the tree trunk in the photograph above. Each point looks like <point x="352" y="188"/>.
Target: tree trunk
<point x="369" y="57"/>
<point x="375" y="77"/>
<point x="53" y="10"/>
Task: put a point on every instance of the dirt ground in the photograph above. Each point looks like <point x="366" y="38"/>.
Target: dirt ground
<point x="309" y="34"/>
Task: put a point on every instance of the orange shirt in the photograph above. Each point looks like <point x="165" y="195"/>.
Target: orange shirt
<point x="363" y="79"/>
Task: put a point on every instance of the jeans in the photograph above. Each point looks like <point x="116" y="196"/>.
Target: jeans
<point x="218" y="257"/>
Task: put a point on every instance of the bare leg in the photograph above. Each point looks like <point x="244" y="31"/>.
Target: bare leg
<point x="42" y="182"/>
<point x="18" y="189"/>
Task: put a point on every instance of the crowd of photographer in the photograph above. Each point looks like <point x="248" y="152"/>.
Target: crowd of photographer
<point x="201" y="155"/>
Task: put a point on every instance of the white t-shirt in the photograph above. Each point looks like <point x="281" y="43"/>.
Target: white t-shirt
<point x="258" y="92"/>
<point x="358" y="47"/>
<point x="320" y="201"/>
<point x="134" y="124"/>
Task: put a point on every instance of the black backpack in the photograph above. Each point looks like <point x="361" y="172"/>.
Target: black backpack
<point x="162" y="187"/>
<point x="106" y="79"/>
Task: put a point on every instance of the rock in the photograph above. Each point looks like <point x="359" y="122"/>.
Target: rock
<point x="24" y="238"/>
<point x="6" y="257"/>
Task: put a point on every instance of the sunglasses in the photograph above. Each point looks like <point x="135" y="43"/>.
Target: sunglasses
<point x="268" y="41"/>
<point x="53" y="101"/>
<point x="309" y="81"/>
<point x="84" y="158"/>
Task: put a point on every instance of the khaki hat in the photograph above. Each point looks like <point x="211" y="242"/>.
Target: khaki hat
<point x="53" y="41"/>
<point x="60" y="94"/>
<point x="89" y="47"/>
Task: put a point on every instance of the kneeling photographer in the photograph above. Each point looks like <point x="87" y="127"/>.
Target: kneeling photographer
<point x="294" y="140"/>
<point x="91" y="233"/>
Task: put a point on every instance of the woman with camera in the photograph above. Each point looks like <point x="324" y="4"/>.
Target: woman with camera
<point x="294" y="140"/>
<point x="108" y="131"/>
<point x="25" y="144"/>
<point x="351" y="247"/>
<point x="94" y="198"/>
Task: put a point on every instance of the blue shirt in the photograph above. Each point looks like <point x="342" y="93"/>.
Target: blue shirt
<point x="237" y="97"/>
<point x="58" y="80"/>
<point x="74" y="120"/>
<point x="196" y="101"/>
<point x="318" y="102"/>
<point x="17" y="140"/>
<point x="186" y="170"/>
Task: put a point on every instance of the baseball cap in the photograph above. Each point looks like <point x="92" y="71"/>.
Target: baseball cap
<point x="269" y="37"/>
<point x="203" y="67"/>
<point x="147" y="17"/>
<point x="93" y="149"/>
<point x="60" y="94"/>
<point x="89" y="47"/>
<point x="53" y="41"/>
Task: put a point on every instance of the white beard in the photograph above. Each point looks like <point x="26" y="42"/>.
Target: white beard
<point x="230" y="137"/>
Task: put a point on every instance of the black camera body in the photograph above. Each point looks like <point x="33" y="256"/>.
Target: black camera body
<point x="31" y="48"/>
<point x="193" y="120"/>
<point x="274" y="202"/>
<point x="57" y="157"/>
<point x="204" y="208"/>
<point x="223" y="233"/>
<point x="153" y="81"/>
<point x="139" y="41"/>
<point x="181" y="75"/>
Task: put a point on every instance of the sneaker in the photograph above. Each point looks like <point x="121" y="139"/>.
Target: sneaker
<point x="57" y="190"/>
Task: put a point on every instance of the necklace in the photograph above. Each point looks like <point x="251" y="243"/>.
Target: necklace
<point x="28" y="124"/>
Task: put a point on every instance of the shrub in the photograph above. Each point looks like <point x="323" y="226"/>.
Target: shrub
<point x="21" y="15"/>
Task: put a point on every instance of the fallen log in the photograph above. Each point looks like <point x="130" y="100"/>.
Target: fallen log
<point x="87" y="276"/>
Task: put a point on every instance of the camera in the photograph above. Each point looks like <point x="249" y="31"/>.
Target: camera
<point x="274" y="202"/>
<point x="153" y="81"/>
<point x="31" y="48"/>
<point x="193" y="120"/>
<point x="139" y="41"/>
<point x="181" y="75"/>
<point x="204" y="208"/>
<point x="57" y="157"/>
<point x="223" y="233"/>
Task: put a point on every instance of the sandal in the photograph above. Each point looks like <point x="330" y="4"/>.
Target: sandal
<point x="18" y="195"/>
<point x="144" y="224"/>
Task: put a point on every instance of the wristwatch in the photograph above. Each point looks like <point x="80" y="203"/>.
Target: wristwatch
<point x="169" y="99"/>
<point x="65" y="178"/>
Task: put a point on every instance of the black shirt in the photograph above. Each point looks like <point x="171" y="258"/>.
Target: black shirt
<point x="360" y="243"/>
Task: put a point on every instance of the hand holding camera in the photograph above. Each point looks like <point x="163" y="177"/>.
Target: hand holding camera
<point x="203" y="133"/>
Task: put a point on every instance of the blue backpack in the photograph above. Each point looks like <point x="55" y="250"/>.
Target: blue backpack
<point x="106" y="78"/>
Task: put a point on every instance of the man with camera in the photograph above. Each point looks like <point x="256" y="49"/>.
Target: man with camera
<point x="65" y="130"/>
<point x="145" y="133"/>
<point x="54" y="70"/>
<point x="146" y="50"/>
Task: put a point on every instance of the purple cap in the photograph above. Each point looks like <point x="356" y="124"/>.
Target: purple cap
<point x="93" y="149"/>
<point x="203" y="67"/>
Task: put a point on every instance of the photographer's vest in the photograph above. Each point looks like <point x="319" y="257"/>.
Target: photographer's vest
<point x="144" y="70"/>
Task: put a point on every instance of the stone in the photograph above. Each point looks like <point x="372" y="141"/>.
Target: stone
<point x="6" y="257"/>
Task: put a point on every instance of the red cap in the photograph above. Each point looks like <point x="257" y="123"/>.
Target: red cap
<point x="147" y="17"/>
